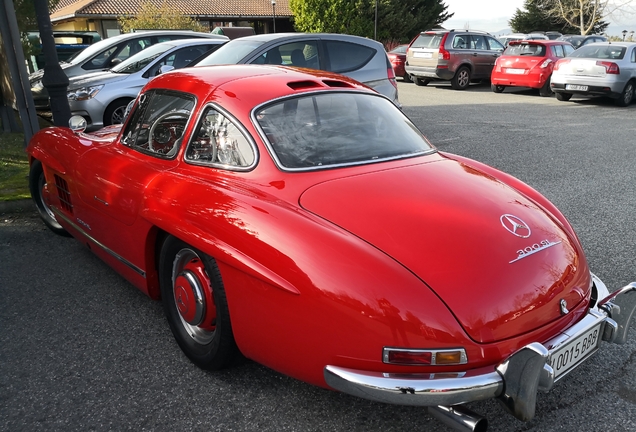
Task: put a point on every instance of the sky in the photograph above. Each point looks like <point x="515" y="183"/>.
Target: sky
<point x="493" y="15"/>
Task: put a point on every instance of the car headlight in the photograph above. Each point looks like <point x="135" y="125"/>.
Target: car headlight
<point x="84" y="93"/>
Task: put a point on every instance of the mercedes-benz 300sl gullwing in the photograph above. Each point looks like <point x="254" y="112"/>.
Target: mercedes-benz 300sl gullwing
<point x="301" y="219"/>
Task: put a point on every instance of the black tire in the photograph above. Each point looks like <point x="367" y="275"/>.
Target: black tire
<point x="407" y="78"/>
<point x="203" y="330"/>
<point x="546" y="90"/>
<point x="564" y="96"/>
<point x="497" y="88"/>
<point x="461" y="80"/>
<point x="114" y="113"/>
<point x="627" y="95"/>
<point x="421" y="81"/>
<point x="36" y="185"/>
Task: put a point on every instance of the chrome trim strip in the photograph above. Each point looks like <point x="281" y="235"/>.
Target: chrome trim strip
<point x="104" y="248"/>
<point x="534" y="251"/>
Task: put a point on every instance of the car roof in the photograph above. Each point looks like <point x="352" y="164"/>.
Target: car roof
<point x="270" y="37"/>
<point x="203" y="82"/>
<point x="193" y="41"/>
<point x="540" y="42"/>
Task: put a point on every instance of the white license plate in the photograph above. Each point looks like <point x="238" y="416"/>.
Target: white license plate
<point x="575" y="87"/>
<point x="423" y="54"/>
<point x="515" y="71"/>
<point x="575" y="351"/>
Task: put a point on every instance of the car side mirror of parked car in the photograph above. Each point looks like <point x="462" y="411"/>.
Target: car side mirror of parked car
<point x="77" y="124"/>
<point x="165" y="68"/>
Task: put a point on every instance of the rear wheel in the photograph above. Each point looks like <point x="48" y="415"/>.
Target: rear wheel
<point x="36" y="187"/>
<point x="421" y="81"/>
<point x="497" y="88"/>
<point x="546" y="90"/>
<point x="195" y="305"/>
<point x="407" y="78"/>
<point x="564" y="96"/>
<point x="461" y="80"/>
<point x="626" y="96"/>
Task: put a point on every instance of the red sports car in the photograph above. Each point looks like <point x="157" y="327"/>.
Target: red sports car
<point x="528" y="63"/>
<point x="300" y="218"/>
<point x="397" y="56"/>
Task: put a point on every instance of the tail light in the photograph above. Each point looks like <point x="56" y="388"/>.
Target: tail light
<point x="545" y="63"/>
<point x="424" y="357"/>
<point x="390" y="73"/>
<point x="610" y="67"/>
<point x="443" y="54"/>
<point x="560" y="63"/>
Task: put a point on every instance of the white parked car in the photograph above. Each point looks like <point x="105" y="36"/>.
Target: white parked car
<point x="598" y="69"/>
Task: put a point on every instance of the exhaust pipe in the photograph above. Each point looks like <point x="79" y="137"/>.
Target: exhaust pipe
<point x="459" y="418"/>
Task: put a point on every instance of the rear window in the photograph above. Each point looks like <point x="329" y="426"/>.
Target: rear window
<point x="532" y="50"/>
<point x="330" y="129"/>
<point x="346" y="57"/>
<point x="427" y="41"/>
<point x="611" y="52"/>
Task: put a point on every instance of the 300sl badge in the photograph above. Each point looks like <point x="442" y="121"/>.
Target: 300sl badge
<point x="534" y="248"/>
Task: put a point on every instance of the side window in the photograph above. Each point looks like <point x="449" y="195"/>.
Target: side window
<point x="568" y="49"/>
<point x="101" y="60"/>
<point x="494" y="44"/>
<point x="346" y="56"/>
<point x="460" y="42"/>
<point x="130" y="48"/>
<point x="158" y="122"/>
<point x="634" y="55"/>
<point x="557" y="50"/>
<point x="478" y="43"/>
<point x="217" y="141"/>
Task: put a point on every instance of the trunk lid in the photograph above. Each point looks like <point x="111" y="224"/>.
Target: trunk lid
<point x="454" y="227"/>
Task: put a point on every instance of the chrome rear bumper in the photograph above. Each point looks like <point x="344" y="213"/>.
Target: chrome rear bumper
<point x="515" y="381"/>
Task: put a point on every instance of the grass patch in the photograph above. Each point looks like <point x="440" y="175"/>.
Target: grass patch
<point x="14" y="167"/>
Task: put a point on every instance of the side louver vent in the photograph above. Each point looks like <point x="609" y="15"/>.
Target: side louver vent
<point x="63" y="194"/>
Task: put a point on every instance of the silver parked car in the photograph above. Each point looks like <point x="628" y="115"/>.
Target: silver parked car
<point x="598" y="69"/>
<point x="362" y="59"/>
<point x="101" y="97"/>
<point x="109" y="52"/>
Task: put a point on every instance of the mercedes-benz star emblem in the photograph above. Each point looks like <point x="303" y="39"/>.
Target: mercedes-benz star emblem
<point x="515" y="226"/>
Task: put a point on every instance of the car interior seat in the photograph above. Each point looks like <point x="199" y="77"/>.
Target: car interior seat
<point x="183" y="58"/>
<point x="298" y="58"/>
<point x="273" y="57"/>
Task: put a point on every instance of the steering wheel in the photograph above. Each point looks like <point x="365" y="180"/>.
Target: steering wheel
<point x="165" y="134"/>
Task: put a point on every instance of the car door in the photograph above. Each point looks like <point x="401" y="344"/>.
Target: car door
<point x="111" y="179"/>
<point x="480" y="56"/>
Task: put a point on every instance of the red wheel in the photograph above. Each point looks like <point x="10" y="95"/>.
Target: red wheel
<point x="195" y="305"/>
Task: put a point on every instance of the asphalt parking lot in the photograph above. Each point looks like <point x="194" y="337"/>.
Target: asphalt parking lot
<point x="82" y="349"/>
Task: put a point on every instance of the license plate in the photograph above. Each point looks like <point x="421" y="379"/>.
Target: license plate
<point x="515" y="71"/>
<point x="575" y="351"/>
<point x="423" y="54"/>
<point x="575" y="87"/>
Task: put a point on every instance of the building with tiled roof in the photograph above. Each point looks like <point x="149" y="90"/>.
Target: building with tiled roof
<point x="102" y="15"/>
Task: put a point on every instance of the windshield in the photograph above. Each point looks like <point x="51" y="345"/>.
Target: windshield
<point x="230" y="53"/>
<point x="141" y="60"/>
<point x="322" y="130"/>
<point x="524" y="49"/>
<point x="611" y="52"/>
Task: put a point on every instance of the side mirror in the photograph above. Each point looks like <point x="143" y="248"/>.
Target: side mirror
<point x="165" y="68"/>
<point x="77" y="124"/>
<point x="115" y="62"/>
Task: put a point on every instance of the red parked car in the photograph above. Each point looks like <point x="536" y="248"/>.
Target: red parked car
<point x="528" y="63"/>
<point x="300" y="218"/>
<point x="397" y="56"/>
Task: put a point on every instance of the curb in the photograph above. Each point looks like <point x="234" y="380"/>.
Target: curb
<point x="16" y="206"/>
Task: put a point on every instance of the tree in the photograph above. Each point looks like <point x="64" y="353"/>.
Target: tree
<point x="398" y="20"/>
<point x="536" y="17"/>
<point x="155" y="17"/>
<point x="25" y="16"/>
<point x="585" y="15"/>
